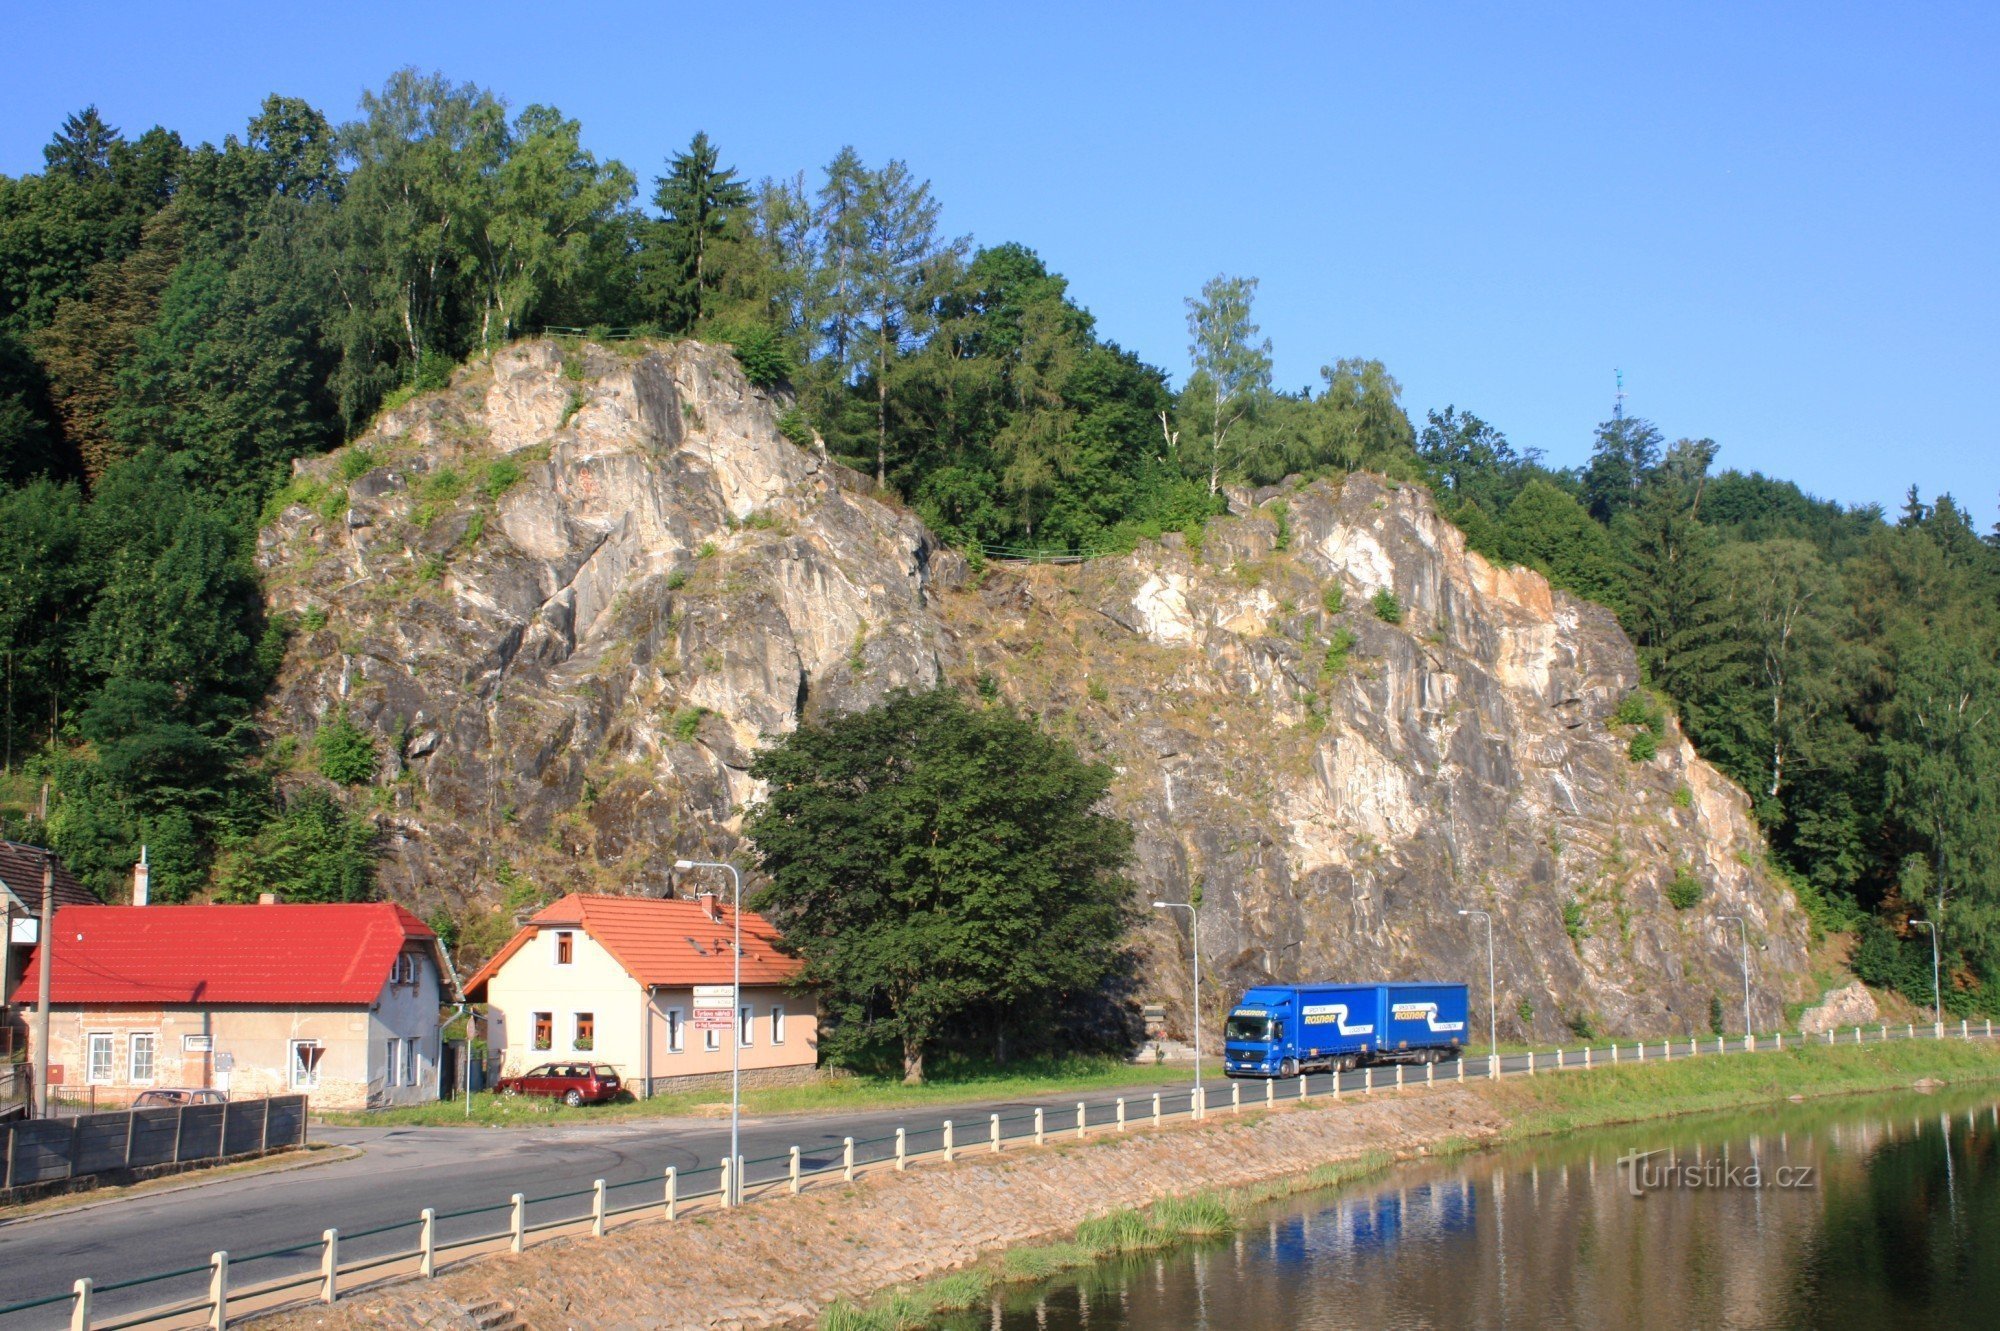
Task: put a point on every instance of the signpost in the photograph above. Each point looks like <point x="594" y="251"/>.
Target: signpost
<point x="714" y="1007"/>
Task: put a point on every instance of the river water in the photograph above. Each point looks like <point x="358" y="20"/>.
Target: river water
<point x="1853" y="1214"/>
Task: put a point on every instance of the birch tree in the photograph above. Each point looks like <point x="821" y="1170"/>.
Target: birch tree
<point x="1231" y="366"/>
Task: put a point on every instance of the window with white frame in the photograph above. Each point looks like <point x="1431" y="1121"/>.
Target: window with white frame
<point x="565" y="947"/>
<point x="711" y="1040"/>
<point x="777" y="1024"/>
<point x="743" y="1026"/>
<point x="139" y="1062"/>
<point x="98" y="1070"/>
<point x="395" y="1057"/>
<point x="305" y="1064"/>
<point x="409" y="1063"/>
<point x="584" y="1038"/>
<point x="676" y="1031"/>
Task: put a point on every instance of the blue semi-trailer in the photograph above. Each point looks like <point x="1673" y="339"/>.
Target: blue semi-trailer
<point x="1283" y="1030"/>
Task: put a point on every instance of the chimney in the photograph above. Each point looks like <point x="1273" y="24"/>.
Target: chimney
<point x="711" y="906"/>
<point x="142" y="880"/>
<point x="267" y="898"/>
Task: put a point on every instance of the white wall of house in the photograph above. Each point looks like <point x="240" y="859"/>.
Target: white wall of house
<point x="590" y="990"/>
<point x="403" y="1033"/>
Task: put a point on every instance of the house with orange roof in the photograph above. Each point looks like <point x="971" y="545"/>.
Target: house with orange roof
<point x="611" y="979"/>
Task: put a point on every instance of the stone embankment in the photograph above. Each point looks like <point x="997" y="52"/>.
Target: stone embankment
<point x="777" y="1263"/>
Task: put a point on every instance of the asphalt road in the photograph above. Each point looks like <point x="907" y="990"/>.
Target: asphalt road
<point x="400" y="1171"/>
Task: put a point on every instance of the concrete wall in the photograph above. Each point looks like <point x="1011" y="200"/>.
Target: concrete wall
<point x="626" y="1021"/>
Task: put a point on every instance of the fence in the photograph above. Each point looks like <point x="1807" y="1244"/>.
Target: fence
<point x="50" y="1150"/>
<point x="318" y="1270"/>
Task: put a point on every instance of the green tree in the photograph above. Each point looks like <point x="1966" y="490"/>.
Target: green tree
<point x="700" y="201"/>
<point x="1673" y="587"/>
<point x="1623" y="458"/>
<point x="1230" y="368"/>
<point x="1941" y="748"/>
<point x="94" y="335"/>
<point x="1547" y="529"/>
<point x="1782" y="604"/>
<point x="345" y="752"/>
<point x="422" y="160"/>
<point x="928" y="859"/>
<point x="43" y="577"/>
<point x="540" y="227"/>
<point x="310" y="849"/>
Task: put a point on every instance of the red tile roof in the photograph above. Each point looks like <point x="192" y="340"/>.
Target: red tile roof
<point x="661" y="941"/>
<point x="21" y="875"/>
<point x="243" y="955"/>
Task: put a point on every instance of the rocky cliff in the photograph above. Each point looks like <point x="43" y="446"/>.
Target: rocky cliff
<point x="574" y="593"/>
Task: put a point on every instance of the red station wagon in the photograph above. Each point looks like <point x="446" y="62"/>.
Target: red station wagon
<point x="572" y="1083"/>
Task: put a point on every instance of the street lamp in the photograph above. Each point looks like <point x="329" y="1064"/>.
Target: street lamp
<point x="1743" y="930"/>
<point x="1937" y="993"/>
<point x="735" y="1017"/>
<point x="1194" y="928"/>
<point x="1492" y="1011"/>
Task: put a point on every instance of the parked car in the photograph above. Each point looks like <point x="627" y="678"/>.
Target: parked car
<point x="169" y="1096"/>
<point x="572" y="1083"/>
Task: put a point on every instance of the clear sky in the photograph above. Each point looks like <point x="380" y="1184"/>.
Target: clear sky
<point x="1778" y="219"/>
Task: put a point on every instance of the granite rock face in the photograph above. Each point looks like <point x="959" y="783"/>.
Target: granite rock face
<point x="577" y="590"/>
<point x="1850" y="1005"/>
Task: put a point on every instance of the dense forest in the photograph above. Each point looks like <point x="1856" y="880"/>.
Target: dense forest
<point x="178" y="323"/>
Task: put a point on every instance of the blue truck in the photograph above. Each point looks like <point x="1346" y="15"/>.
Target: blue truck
<point x="1283" y="1030"/>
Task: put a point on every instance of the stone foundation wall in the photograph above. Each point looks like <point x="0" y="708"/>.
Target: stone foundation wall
<point x="753" y="1078"/>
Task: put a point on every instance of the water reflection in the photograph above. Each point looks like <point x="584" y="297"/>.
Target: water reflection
<point x="1853" y="1214"/>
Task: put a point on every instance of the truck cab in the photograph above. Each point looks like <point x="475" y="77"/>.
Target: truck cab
<point x="1253" y="1040"/>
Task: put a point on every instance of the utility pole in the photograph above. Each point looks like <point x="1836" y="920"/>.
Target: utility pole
<point x="1743" y="931"/>
<point x="1492" y="1012"/>
<point x="1194" y="929"/>
<point x="47" y="943"/>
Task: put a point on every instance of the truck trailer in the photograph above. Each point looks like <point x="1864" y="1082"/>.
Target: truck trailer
<point x="1283" y="1030"/>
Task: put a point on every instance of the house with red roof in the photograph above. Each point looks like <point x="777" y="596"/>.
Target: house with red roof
<point x="339" y="1001"/>
<point x="23" y="870"/>
<point x="611" y="979"/>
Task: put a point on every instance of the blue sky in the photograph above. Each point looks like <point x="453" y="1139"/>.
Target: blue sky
<point x="1778" y="220"/>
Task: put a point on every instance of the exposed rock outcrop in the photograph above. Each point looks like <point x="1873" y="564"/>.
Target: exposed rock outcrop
<point x="577" y="590"/>
<point x="1849" y="1005"/>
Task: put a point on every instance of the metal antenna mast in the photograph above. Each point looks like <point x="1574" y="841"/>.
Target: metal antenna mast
<point x="1618" y="398"/>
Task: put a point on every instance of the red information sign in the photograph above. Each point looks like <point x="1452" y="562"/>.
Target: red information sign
<point x="712" y="1019"/>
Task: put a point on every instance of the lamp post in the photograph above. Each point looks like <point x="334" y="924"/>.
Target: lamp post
<point x="1937" y="992"/>
<point x="1492" y="1010"/>
<point x="1194" y="928"/>
<point x="1743" y="931"/>
<point x="735" y="1018"/>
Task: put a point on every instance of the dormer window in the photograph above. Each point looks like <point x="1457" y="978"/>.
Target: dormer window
<point x="565" y="947"/>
